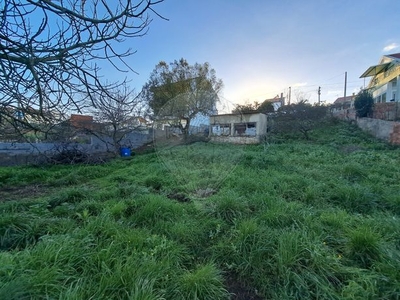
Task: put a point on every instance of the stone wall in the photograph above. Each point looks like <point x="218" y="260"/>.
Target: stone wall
<point x="348" y="114"/>
<point x="394" y="137"/>
<point x="389" y="111"/>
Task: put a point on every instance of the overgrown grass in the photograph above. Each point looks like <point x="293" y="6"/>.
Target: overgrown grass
<point x="314" y="219"/>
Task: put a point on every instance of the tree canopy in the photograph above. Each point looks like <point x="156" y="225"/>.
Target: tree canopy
<point x="50" y="52"/>
<point x="301" y="117"/>
<point x="256" y="107"/>
<point x="181" y="91"/>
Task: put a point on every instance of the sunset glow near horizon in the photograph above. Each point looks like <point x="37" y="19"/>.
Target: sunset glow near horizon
<point x="261" y="48"/>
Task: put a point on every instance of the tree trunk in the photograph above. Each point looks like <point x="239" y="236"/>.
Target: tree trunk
<point x="185" y="130"/>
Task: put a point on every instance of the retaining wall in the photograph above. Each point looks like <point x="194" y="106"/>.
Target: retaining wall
<point x="388" y="131"/>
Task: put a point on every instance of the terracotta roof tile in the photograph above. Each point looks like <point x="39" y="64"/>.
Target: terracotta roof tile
<point x="397" y="55"/>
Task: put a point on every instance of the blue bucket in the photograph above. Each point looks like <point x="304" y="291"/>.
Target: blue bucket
<point x="125" y="152"/>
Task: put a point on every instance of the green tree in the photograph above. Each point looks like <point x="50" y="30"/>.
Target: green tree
<point x="302" y="117"/>
<point x="364" y="103"/>
<point x="179" y="92"/>
<point x="266" y="107"/>
<point x="256" y="107"/>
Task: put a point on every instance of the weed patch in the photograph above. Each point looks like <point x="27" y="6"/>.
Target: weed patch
<point x="291" y="219"/>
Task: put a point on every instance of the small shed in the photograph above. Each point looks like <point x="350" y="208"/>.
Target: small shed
<point x="248" y="128"/>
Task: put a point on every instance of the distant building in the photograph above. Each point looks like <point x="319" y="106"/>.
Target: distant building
<point x="277" y="101"/>
<point x="81" y="121"/>
<point x="343" y="108"/>
<point x="344" y="102"/>
<point x="247" y="128"/>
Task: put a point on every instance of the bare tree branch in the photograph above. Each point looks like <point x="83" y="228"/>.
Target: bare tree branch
<point x="50" y="51"/>
<point x="117" y="114"/>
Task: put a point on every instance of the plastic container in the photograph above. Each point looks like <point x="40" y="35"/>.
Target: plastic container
<point x="125" y="151"/>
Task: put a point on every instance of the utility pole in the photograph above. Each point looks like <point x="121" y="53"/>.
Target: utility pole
<point x="319" y="95"/>
<point x="290" y="92"/>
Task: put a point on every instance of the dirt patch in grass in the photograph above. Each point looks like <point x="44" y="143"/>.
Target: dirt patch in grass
<point x="146" y="148"/>
<point x="180" y="197"/>
<point x="239" y="290"/>
<point x="348" y="149"/>
<point x="23" y="192"/>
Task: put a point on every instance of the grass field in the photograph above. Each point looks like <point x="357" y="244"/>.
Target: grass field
<point x="292" y="219"/>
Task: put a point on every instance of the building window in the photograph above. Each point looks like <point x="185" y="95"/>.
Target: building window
<point x="221" y="129"/>
<point x="383" y="97"/>
<point x="245" y="129"/>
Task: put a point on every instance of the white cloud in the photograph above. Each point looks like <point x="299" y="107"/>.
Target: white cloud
<point x="299" y="84"/>
<point x="390" y="47"/>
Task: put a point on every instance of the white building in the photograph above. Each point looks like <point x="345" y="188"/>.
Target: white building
<point x="385" y="79"/>
<point x="238" y="128"/>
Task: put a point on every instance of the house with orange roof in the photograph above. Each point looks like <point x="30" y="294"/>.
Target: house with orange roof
<point x="81" y="121"/>
<point x="343" y="108"/>
<point x="344" y="102"/>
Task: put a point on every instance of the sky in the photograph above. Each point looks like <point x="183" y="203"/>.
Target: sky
<point x="260" y="48"/>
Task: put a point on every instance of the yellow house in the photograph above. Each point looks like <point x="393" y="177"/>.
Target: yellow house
<point x="385" y="79"/>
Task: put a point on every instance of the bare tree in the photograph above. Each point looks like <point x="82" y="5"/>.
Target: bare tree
<point x="117" y="114"/>
<point x="50" y="51"/>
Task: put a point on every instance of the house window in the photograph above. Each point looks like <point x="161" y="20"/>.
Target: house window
<point x="221" y="129"/>
<point x="245" y="129"/>
<point x="383" y="97"/>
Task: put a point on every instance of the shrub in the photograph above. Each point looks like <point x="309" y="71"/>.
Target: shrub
<point x="364" y="246"/>
<point x="363" y="104"/>
<point x="297" y="118"/>
<point x="205" y="283"/>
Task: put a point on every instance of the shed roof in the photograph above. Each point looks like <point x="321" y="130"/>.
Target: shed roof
<point x="382" y="67"/>
<point x="375" y="70"/>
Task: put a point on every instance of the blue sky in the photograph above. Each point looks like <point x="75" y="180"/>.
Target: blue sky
<point x="260" y="48"/>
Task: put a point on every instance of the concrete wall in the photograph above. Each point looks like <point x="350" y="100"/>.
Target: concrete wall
<point x="251" y="137"/>
<point x="388" y="131"/>
<point x="236" y="139"/>
<point x="27" y="153"/>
